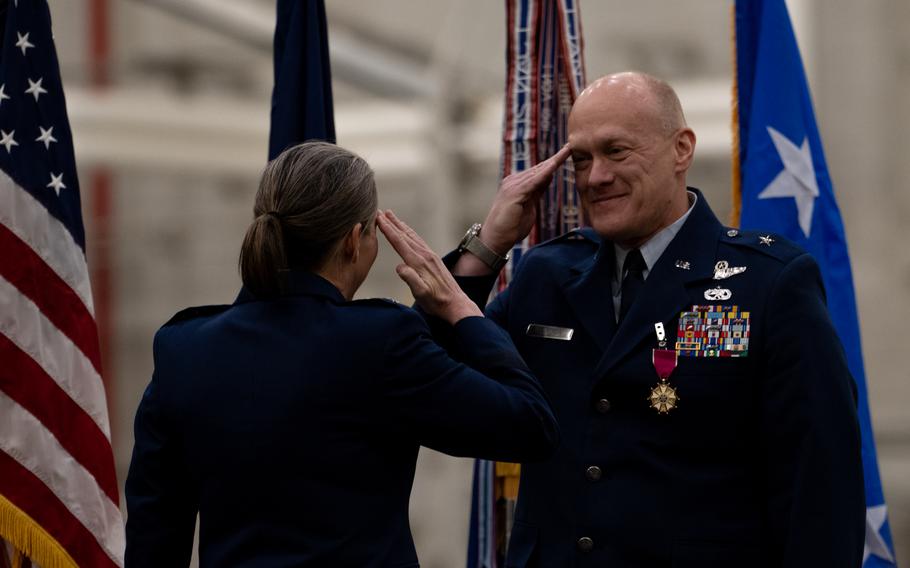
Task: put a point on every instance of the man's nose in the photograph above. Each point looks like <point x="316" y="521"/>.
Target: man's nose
<point x="601" y="172"/>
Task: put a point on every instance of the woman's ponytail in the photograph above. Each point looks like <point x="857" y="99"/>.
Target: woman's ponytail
<point x="262" y="256"/>
<point x="309" y="197"/>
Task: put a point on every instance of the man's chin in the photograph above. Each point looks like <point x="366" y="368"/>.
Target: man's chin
<point x="611" y="230"/>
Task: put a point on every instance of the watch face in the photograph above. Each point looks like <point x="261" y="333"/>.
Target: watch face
<point x="472" y="232"/>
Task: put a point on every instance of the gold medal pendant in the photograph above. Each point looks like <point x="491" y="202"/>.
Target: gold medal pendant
<point x="663" y="397"/>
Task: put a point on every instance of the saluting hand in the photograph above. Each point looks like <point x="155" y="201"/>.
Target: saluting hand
<point x="433" y="286"/>
<point x="514" y="210"/>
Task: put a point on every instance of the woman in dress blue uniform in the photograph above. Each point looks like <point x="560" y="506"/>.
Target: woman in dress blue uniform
<point x="290" y="420"/>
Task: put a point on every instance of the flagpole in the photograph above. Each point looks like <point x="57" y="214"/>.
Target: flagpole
<point x="735" y="158"/>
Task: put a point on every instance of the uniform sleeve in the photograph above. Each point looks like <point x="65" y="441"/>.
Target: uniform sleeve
<point x="485" y="404"/>
<point x="810" y="432"/>
<point x="161" y="509"/>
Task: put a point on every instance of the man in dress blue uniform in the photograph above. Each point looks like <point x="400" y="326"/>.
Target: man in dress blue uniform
<point x="706" y="409"/>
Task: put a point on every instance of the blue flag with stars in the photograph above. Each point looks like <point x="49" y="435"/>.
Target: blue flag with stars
<point x="785" y="188"/>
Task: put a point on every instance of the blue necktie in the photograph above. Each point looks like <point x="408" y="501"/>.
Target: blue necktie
<point x="633" y="267"/>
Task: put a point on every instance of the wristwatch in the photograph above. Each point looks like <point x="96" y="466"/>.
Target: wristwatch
<point x="472" y="243"/>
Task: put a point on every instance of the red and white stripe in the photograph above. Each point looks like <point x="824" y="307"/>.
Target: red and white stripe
<point x="56" y="461"/>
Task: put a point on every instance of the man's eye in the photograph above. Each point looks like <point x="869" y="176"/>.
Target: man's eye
<point x="617" y="152"/>
<point x="580" y="160"/>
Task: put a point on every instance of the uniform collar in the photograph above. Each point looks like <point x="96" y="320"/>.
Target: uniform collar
<point x="300" y="282"/>
<point x="656" y="245"/>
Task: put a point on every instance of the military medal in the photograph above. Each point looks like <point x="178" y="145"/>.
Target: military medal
<point x="663" y="397"/>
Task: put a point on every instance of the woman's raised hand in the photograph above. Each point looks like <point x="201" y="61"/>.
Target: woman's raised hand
<point x="433" y="286"/>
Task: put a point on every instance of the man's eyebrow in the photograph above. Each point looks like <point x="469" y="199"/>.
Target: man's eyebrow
<point x="603" y="142"/>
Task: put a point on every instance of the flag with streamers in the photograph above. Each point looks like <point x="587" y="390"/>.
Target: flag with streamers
<point x="544" y="75"/>
<point x="59" y="499"/>
<point x="781" y="184"/>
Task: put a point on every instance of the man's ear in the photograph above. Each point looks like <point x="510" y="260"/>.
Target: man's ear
<point x="685" y="149"/>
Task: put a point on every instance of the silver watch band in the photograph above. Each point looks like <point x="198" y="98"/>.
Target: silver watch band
<point x="475" y="246"/>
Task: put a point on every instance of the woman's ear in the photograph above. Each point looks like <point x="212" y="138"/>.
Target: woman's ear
<point x="352" y="243"/>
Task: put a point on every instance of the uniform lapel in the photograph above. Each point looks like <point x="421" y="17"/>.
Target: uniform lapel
<point x="589" y="294"/>
<point x="664" y="294"/>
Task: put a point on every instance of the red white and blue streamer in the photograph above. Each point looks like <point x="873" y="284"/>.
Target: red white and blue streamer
<point x="544" y="75"/>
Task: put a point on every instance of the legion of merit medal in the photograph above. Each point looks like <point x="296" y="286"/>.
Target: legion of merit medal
<point x="663" y="396"/>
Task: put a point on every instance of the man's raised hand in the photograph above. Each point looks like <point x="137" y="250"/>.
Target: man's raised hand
<point x="514" y="210"/>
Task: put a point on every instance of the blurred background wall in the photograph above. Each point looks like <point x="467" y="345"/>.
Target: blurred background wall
<point x="169" y="104"/>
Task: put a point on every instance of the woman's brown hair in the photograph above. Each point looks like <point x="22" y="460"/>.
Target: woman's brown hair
<point x="309" y="197"/>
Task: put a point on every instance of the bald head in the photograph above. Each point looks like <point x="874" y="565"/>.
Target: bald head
<point x="645" y="89"/>
<point x="631" y="150"/>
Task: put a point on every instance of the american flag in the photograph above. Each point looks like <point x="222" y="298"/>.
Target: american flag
<point x="59" y="500"/>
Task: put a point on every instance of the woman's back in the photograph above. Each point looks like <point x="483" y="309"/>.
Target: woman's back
<point x="293" y="427"/>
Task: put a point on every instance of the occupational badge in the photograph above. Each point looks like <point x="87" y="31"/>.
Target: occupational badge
<point x="663" y="397"/>
<point x="723" y="270"/>
<point x="715" y="294"/>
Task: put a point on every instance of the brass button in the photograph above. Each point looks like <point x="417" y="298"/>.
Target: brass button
<point x="585" y="544"/>
<point x="593" y="473"/>
<point x="602" y="406"/>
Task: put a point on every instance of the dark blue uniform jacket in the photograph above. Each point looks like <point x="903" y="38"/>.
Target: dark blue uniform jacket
<point x="758" y="466"/>
<point x="292" y="427"/>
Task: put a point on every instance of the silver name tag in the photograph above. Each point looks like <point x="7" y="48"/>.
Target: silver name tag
<point x="550" y="332"/>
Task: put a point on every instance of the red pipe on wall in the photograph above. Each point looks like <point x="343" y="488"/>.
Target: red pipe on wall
<point x="102" y="210"/>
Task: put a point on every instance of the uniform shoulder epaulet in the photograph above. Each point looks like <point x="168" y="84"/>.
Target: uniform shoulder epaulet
<point x="581" y="235"/>
<point x="378" y="302"/>
<point x="196" y="312"/>
<point x="770" y="244"/>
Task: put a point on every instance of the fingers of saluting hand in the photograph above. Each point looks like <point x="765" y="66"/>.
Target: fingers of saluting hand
<point x="390" y="227"/>
<point x="418" y="248"/>
<point x="548" y="167"/>
<point x="391" y="231"/>
<point x="559" y="158"/>
<point x="421" y="255"/>
<point x="538" y="176"/>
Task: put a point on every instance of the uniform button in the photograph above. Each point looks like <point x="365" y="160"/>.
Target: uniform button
<point x="593" y="473"/>
<point x="585" y="544"/>
<point x="603" y="406"/>
<point x="732" y="233"/>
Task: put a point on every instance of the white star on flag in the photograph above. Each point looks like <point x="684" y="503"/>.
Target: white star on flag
<point x="875" y="544"/>
<point x="3" y="96"/>
<point x="7" y="140"/>
<point x="35" y="88"/>
<point x="46" y="136"/>
<point x="796" y="180"/>
<point x="23" y="42"/>
<point x="57" y="183"/>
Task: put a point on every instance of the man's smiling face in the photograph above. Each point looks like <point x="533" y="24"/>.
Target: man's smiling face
<point x="629" y="169"/>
